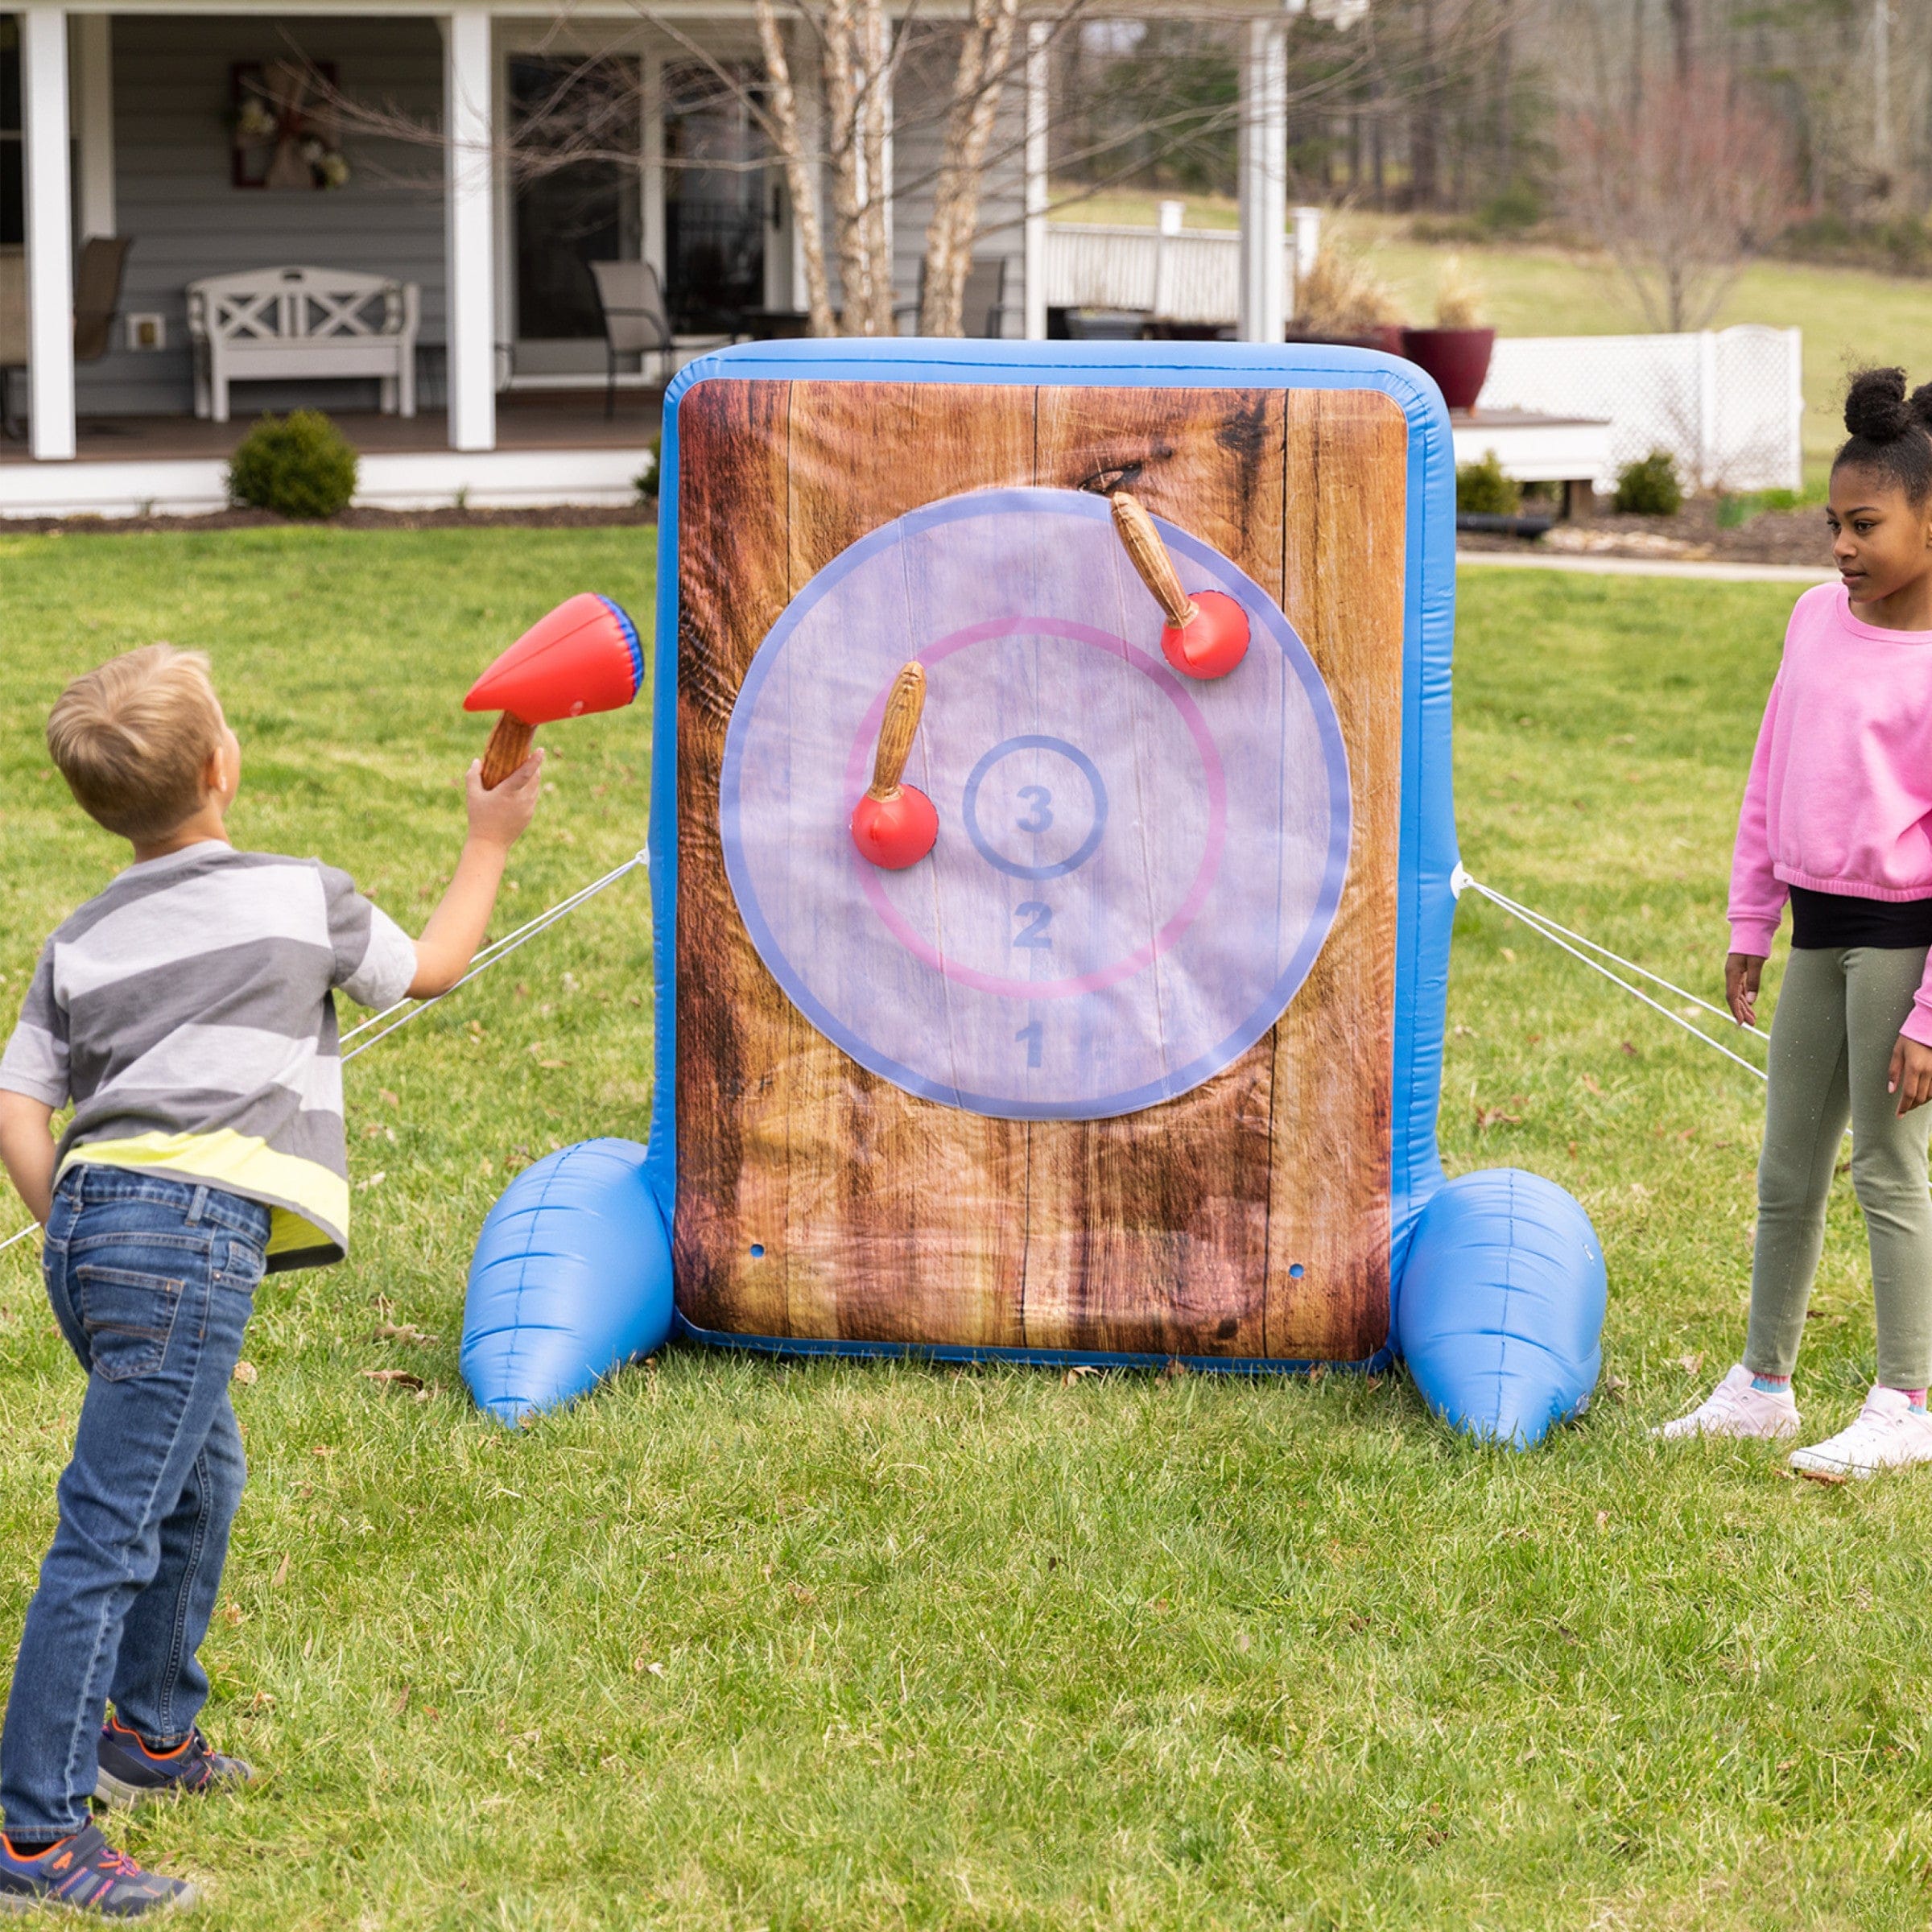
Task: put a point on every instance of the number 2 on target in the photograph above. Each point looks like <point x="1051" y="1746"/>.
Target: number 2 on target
<point x="1032" y="935"/>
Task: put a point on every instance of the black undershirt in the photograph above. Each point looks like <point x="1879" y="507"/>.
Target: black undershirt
<point x="1823" y="921"/>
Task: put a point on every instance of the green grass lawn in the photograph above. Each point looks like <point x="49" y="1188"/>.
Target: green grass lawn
<point x="738" y="1644"/>
<point x="1851" y="317"/>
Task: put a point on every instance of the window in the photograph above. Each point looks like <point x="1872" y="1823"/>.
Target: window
<point x="13" y="177"/>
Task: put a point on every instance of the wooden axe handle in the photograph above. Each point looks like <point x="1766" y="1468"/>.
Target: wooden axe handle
<point x="1149" y="556"/>
<point x="903" y="707"/>
<point x="508" y="747"/>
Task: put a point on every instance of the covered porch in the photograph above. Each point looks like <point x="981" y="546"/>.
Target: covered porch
<point x="551" y="447"/>
<point x="135" y="122"/>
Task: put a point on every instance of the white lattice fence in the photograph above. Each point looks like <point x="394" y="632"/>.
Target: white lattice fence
<point x="1727" y="403"/>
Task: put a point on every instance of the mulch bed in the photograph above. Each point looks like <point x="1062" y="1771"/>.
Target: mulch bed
<point x="563" y="516"/>
<point x="1772" y="536"/>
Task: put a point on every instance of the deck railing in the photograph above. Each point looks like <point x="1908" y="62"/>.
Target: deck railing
<point x="1193" y="275"/>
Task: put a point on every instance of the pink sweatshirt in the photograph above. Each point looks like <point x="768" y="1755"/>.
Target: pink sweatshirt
<point x="1839" y="797"/>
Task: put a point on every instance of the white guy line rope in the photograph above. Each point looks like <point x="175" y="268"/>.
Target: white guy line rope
<point x="502" y="950"/>
<point x="486" y="957"/>
<point x="1656" y="979"/>
<point x="1531" y="921"/>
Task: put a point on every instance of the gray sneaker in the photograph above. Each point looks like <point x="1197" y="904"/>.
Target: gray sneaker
<point x="86" y="1871"/>
<point x="128" y="1771"/>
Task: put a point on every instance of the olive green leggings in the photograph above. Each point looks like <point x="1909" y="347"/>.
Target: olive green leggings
<point x="1838" y="1013"/>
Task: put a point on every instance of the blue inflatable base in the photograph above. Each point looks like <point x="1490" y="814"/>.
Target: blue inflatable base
<point x="571" y="1279"/>
<point x="1500" y="1314"/>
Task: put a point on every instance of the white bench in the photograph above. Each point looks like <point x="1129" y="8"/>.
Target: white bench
<point x="268" y="324"/>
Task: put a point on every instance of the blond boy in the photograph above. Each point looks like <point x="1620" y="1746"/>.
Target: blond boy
<point x="188" y="1013"/>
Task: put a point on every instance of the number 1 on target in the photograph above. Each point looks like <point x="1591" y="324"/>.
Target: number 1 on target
<point x="1033" y="1034"/>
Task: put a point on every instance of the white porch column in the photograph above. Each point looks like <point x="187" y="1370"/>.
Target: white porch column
<point x="651" y="179"/>
<point x="470" y="194"/>
<point x="1263" y="162"/>
<point x="1037" y="163"/>
<point x="50" y="262"/>
<point x="93" y="50"/>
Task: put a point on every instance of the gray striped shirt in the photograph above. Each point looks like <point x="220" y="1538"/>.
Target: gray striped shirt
<point x="187" y="1012"/>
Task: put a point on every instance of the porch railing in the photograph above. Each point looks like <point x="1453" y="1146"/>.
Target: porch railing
<point x="1191" y="276"/>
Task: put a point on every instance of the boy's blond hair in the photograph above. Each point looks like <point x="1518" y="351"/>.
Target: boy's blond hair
<point x="133" y="739"/>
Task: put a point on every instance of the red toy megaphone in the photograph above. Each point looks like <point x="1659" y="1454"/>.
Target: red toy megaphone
<point x="584" y="656"/>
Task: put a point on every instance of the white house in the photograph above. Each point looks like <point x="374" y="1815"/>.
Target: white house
<point x="159" y="122"/>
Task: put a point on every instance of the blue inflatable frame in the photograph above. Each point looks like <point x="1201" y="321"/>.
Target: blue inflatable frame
<point x="1498" y="1361"/>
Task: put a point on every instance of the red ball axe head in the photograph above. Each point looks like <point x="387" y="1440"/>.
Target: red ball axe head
<point x="584" y="656"/>
<point x="894" y="825"/>
<point x="1206" y="635"/>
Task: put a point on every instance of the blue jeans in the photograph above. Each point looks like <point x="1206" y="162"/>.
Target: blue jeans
<point x="152" y="1280"/>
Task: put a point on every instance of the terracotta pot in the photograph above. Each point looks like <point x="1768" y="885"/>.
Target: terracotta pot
<point x="1457" y="358"/>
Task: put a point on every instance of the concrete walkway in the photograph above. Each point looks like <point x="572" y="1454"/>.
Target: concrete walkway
<point x="1647" y="567"/>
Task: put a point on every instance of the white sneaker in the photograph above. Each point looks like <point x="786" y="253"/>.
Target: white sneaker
<point x="1889" y="1433"/>
<point x="1735" y="1408"/>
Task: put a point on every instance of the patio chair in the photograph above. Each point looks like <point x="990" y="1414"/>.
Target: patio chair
<point x="983" y="304"/>
<point x="96" y="302"/>
<point x="636" y="322"/>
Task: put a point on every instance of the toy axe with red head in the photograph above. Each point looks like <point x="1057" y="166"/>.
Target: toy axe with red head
<point x="1206" y="634"/>
<point x="584" y="656"/>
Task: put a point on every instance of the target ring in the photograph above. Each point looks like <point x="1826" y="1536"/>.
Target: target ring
<point x="1134" y="872"/>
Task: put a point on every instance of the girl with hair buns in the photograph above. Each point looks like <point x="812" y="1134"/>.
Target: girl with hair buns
<point x="1837" y="819"/>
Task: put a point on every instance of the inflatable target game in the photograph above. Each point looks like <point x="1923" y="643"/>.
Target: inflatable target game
<point x="1053" y="867"/>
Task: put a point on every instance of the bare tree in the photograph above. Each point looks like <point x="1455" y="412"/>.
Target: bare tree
<point x="984" y="54"/>
<point x="1682" y="189"/>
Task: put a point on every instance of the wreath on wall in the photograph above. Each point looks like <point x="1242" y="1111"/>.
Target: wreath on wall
<point x="286" y="132"/>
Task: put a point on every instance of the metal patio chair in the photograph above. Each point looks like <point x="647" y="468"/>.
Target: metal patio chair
<point x="636" y="322"/>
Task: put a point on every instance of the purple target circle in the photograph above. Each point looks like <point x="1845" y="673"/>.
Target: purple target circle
<point x="1135" y="871"/>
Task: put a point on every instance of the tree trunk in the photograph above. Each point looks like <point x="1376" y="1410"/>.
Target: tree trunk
<point x="1505" y="162"/>
<point x="842" y="146"/>
<point x="801" y="170"/>
<point x="986" y="47"/>
<point x="1423" y="159"/>
<point x="1684" y="39"/>
<point x="875" y="103"/>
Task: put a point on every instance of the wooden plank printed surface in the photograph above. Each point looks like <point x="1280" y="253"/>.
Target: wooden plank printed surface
<point x="820" y="1196"/>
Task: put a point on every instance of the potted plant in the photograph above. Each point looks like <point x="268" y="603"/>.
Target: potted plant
<point x="1341" y="299"/>
<point x="1456" y="351"/>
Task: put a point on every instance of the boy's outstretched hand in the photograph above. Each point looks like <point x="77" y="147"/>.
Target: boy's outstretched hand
<point x="503" y="815"/>
<point x="1742" y="971"/>
<point x="496" y="820"/>
<point x="1910" y="1077"/>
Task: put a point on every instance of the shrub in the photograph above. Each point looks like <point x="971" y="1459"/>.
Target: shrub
<point x="1485" y="489"/>
<point x="645" y="482"/>
<point x="1649" y="486"/>
<point x="299" y="465"/>
<point x="1518" y="207"/>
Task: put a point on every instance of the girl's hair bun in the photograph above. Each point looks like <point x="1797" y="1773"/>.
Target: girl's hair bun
<point x="1875" y="408"/>
<point x="1920" y="403"/>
